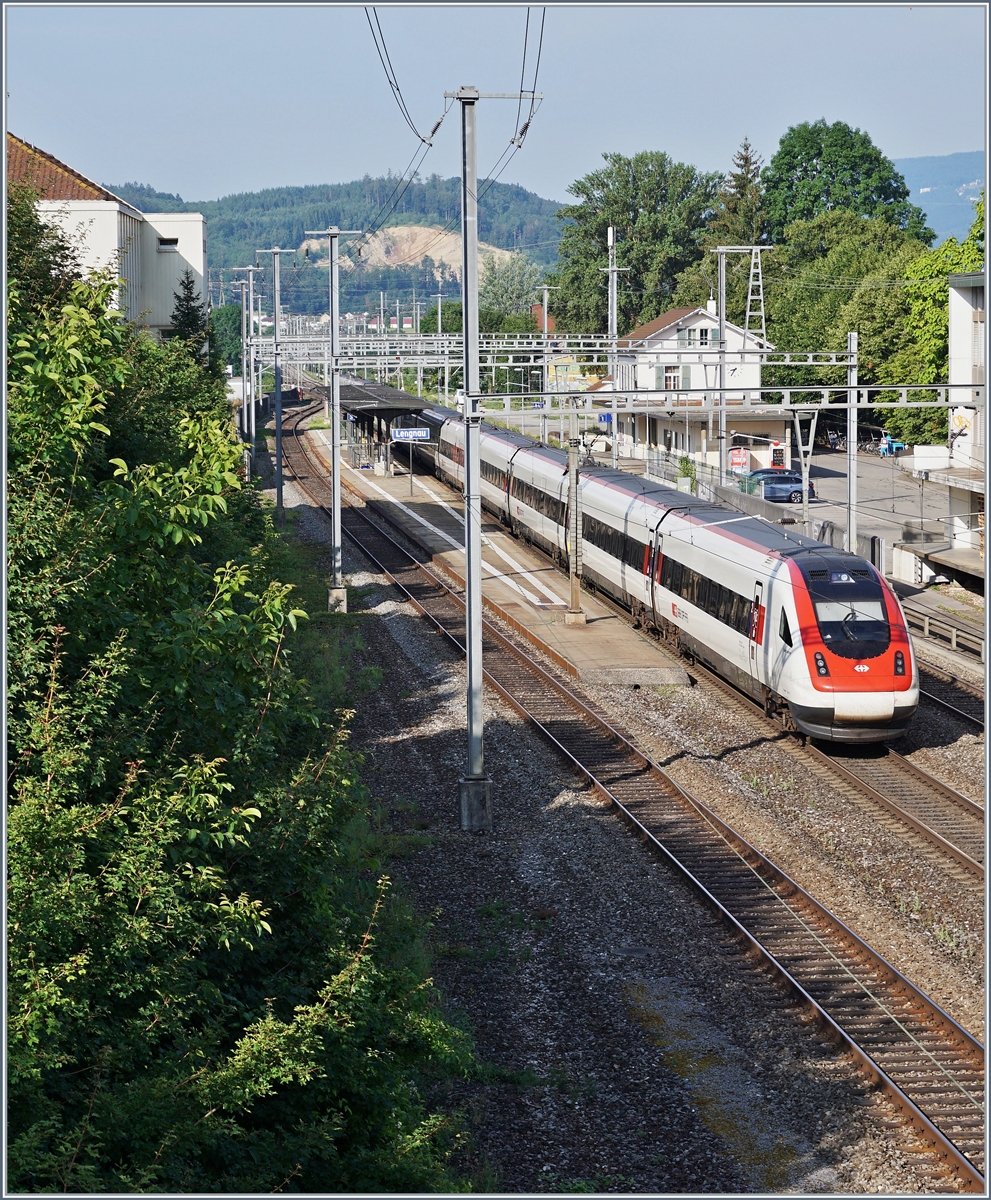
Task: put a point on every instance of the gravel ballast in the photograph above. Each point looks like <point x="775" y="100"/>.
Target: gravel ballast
<point x="627" y="1046"/>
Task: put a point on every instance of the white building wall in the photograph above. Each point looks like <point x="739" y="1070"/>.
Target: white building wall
<point x="163" y="264"/>
<point x="114" y="235"/>
<point x="966" y="365"/>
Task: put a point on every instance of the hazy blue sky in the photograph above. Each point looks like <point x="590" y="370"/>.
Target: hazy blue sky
<point x="205" y="100"/>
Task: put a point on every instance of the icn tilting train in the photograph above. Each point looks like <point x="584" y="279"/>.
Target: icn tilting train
<point x="812" y="633"/>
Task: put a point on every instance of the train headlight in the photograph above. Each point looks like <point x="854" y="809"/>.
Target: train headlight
<point x="899" y="663"/>
<point x="821" y="667"/>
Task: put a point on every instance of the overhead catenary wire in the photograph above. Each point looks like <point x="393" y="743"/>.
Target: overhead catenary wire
<point x="515" y="142"/>
<point x="390" y="74"/>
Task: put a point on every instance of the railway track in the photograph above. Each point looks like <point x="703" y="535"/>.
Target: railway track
<point x="928" y="1066"/>
<point x="934" y="815"/>
<point x="951" y="693"/>
<point x="930" y="809"/>
<point x="962" y="635"/>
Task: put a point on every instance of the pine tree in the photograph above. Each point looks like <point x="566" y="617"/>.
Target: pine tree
<point x="739" y="218"/>
<point x="189" y="316"/>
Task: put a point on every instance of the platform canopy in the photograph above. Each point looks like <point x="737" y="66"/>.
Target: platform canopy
<point x="362" y="399"/>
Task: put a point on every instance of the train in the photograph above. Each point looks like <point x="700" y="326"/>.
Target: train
<point x="812" y="633"/>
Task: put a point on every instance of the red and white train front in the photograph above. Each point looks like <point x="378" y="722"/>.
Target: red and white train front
<point x="851" y="675"/>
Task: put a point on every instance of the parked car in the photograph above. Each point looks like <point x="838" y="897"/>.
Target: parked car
<point x="776" y="483"/>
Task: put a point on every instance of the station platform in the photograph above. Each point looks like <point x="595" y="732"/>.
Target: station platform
<point x="517" y="584"/>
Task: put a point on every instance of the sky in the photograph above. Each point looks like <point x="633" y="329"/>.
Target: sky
<point x="206" y="100"/>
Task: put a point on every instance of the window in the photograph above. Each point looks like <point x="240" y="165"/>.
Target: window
<point x="784" y="629"/>
<point x="725" y="605"/>
<point x="166" y="245"/>
<point x="703" y="338"/>
<point x="492" y="473"/>
<point x="672" y="378"/>
<point x="539" y="501"/>
<point x="616" y="544"/>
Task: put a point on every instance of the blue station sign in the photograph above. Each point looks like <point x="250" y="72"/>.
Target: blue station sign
<point x="411" y="435"/>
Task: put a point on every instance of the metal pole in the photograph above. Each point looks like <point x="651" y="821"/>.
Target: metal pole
<point x="851" y="444"/>
<point x="280" y="515"/>
<point x="613" y="325"/>
<point x="475" y="786"/>
<point x="245" y="416"/>
<point x="722" y="366"/>
<point x="254" y="394"/>
<point x="574" y="614"/>
<point x="338" y="596"/>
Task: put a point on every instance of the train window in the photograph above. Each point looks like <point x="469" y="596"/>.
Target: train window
<point x="725" y="605"/>
<point x="850" y="610"/>
<point x="492" y="474"/>
<point x="784" y="629"/>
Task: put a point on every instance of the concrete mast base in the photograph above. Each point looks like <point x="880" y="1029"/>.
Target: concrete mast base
<point x="476" y="803"/>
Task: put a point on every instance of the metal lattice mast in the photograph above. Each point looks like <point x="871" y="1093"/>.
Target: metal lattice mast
<point x="755" y="298"/>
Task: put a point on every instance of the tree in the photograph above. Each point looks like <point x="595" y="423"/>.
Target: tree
<point x="225" y="335"/>
<point x="924" y="355"/>
<point x="509" y="287"/>
<point x="39" y="256"/>
<point x="189" y="315"/>
<point x="738" y="220"/>
<point x="659" y="209"/>
<point x="490" y="320"/>
<point x="739" y="216"/>
<point x="207" y="991"/>
<point x="819" y="168"/>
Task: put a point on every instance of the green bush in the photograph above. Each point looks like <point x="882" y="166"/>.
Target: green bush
<point x="209" y="987"/>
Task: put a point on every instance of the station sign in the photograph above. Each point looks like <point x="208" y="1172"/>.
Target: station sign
<point x="411" y="435"/>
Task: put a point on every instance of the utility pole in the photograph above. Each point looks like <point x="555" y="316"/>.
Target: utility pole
<point x="613" y="320"/>
<point x="851" y="444"/>
<point x="546" y="288"/>
<point x="721" y="252"/>
<point x="245" y="421"/>
<point x="574" y="614"/>
<point x="280" y="515"/>
<point x="249" y="358"/>
<point x="475" y="785"/>
<point x="337" y="596"/>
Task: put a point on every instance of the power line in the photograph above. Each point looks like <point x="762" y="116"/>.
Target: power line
<point x="390" y="74"/>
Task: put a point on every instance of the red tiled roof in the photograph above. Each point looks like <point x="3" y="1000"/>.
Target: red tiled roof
<point x="655" y="326"/>
<point x="51" y="179"/>
<point x="599" y="383"/>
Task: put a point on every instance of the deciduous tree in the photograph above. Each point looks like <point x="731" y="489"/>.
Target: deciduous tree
<point x="659" y="209"/>
<point x="821" y="168"/>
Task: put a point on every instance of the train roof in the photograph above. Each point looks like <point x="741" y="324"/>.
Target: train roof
<point x="758" y="531"/>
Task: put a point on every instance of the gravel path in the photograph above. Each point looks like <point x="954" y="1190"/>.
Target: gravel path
<point x="627" y="1046"/>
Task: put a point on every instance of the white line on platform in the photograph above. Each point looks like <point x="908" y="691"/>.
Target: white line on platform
<point x="506" y="558"/>
<point x="527" y="595"/>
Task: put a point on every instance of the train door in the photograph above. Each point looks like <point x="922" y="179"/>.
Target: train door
<point x="756" y="630"/>
<point x="656" y="563"/>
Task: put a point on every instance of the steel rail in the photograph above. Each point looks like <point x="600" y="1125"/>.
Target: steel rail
<point x="959" y="689"/>
<point x="920" y="1055"/>
<point x="961" y="809"/>
<point x="970" y="811"/>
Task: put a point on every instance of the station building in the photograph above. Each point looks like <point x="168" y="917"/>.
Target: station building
<point x="678" y="354"/>
<point x="149" y="251"/>
<point x="956" y="542"/>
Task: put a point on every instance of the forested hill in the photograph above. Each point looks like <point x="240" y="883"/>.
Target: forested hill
<point x="509" y="215"/>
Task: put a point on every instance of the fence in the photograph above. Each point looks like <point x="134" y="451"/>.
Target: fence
<point x="666" y="468"/>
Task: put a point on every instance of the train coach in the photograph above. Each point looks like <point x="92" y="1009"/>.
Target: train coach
<point x="813" y="633"/>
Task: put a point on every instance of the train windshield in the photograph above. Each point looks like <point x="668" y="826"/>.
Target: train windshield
<point x="850" y="613"/>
